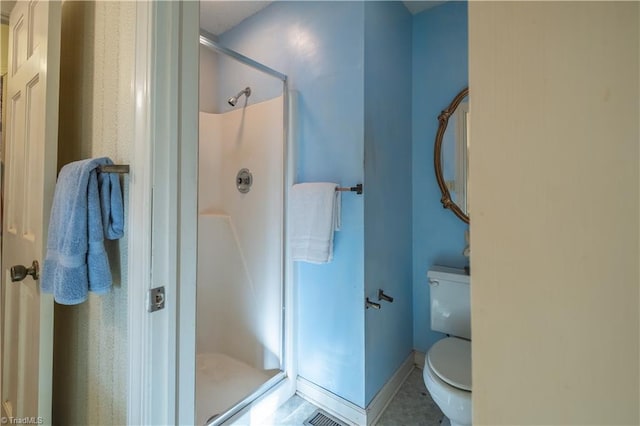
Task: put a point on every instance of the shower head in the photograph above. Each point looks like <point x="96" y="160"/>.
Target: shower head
<point x="234" y="99"/>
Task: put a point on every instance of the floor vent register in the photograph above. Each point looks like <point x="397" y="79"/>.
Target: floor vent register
<point x="322" y="418"/>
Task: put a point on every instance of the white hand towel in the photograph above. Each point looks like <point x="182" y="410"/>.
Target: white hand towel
<point x="315" y="215"/>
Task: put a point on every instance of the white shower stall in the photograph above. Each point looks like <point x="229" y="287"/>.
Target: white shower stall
<point x="241" y="229"/>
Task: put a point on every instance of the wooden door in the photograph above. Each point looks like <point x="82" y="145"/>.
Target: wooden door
<point x="31" y="153"/>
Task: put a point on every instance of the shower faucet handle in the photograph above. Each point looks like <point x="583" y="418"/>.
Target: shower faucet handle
<point x="244" y="180"/>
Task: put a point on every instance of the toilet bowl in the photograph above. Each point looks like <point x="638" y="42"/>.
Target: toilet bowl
<point x="447" y="376"/>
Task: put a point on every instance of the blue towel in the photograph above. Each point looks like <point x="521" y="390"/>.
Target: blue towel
<point x="87" y="207"/>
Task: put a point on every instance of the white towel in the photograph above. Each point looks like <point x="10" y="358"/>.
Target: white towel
<point x="315" y="215"/>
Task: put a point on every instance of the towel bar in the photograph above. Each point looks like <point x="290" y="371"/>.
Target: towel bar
<point x="357" y="189"/>
<point x="114" y="168"/>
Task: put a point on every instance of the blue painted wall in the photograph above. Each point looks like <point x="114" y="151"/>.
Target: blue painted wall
<point x="440" y="71"/>
<point x="387" y="213"/>
<point x="320" y="46"/>
<point x="371" y="81"/>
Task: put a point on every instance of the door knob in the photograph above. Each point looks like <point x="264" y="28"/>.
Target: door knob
<point x="20" y="272"/>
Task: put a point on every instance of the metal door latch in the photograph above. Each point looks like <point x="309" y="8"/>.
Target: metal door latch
<point x="156" y="299"/>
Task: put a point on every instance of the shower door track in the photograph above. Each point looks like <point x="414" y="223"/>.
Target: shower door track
<point x="240" y="406"/>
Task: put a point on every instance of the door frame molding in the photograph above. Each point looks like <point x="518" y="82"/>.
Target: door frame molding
<point x="187" y="197"/>
<point x="161" y="229"/>
<point x="139" y="221"/>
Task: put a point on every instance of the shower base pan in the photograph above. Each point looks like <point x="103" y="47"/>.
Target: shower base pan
<point x="222" y="381"/>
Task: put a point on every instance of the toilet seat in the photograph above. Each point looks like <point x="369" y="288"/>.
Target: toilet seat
<point x="450" y="360"/>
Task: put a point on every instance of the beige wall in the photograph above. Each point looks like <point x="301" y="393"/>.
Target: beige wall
<point x="4" y="48"/>
<point x="96" y="119"/>
<point x="555" y="226"/>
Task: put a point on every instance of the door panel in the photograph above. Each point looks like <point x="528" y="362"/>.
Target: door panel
<point x="32" y="176"/>
<point x="19" y="43"/>
<point x="15" y="157"/>
<point x="27" y="315"/>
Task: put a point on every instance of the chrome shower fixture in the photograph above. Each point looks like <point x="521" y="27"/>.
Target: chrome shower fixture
<point x="234" y="99"/>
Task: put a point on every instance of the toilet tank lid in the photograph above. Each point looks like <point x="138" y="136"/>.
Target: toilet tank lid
<point x="447" y="273"/>
<point x="450" y="359"/>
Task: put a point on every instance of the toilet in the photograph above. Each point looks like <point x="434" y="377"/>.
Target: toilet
<point x="447" y="367"/>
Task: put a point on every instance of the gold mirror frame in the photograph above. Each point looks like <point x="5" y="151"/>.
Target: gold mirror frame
<point x="443" y="118"/>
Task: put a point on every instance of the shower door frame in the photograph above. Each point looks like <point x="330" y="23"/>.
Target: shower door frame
<point x="282" y="386"/>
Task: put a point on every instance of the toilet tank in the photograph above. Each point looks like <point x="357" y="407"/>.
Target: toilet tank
<point x="450" y="301"/>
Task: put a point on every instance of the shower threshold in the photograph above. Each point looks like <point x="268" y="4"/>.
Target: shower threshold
<point x="225" y="386"/>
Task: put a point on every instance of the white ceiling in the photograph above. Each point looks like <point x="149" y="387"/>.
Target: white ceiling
<point x="218" y="16"/>
<point x="418" y="6"/>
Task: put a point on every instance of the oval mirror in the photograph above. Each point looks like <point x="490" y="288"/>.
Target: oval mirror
<point x="451" y="155"/>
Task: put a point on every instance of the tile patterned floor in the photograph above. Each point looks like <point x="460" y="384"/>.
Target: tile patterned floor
<point x="412" y="406"/>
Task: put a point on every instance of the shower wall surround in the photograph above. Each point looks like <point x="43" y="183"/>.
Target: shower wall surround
<point x="239" y="273"/>
<point x="239" y="248"/>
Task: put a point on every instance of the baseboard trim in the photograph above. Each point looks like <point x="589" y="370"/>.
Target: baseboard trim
<point x="419" y="359"/>
<point x="335" y="405"/>
<point x="382" y="399"/>
<point x="349" y="412"/>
